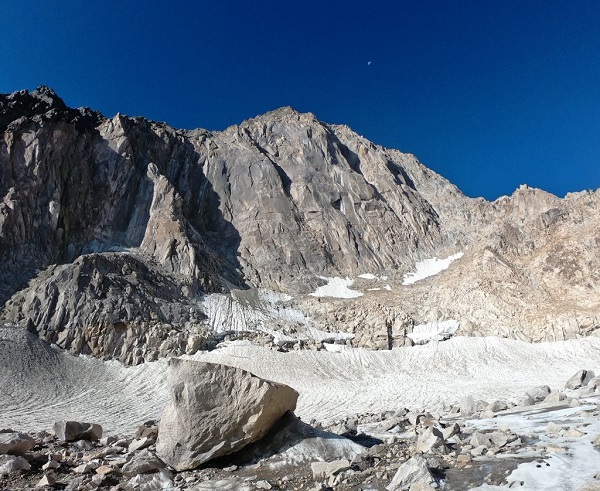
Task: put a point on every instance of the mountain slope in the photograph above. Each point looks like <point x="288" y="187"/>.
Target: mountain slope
<point x="114" y="232"/>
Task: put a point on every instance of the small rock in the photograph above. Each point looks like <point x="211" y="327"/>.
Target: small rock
<point x="539" y="393"/>
<point x="87" y="467"/>
<point x="573" y="433"/>
<point x="263" y="485"/>
<point x="15" y="443"/>
<point x="70" y="431"/>
<point x="47" y="480"/>
<point x="496" y="406"/>
<point x="413" y="471"/>
<point x="322" y="470"/>
<point x="479" y="439"/>
<point x="552" y="428"/>
<point x="580" y="379"/>
<point x="104" y="470"/>
<point x="51" y="464"/>
<point x="13" y="464"/>
<point x="526" y="401"/>
<point x="555" y="397"/>
<point x="467" y="406"/>
<point x="142" y="463"/>
<point x="141" y="443"/>
<point x="430" y="438"/>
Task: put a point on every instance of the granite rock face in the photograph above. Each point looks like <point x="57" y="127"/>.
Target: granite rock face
<point x="114" y="230"/>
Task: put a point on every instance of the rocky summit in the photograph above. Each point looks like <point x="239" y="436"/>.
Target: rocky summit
<point x="301" y="286"/>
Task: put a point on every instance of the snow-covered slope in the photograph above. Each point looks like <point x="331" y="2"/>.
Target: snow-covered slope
<point x="41" y="385"/>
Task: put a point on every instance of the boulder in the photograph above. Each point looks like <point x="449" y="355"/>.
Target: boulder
<point x="216" y="410"/>
<point x="15" y="443"/>
<point x="70" y="431"/>
<point x="580" y="379"/>
<point x="413" y="472"/>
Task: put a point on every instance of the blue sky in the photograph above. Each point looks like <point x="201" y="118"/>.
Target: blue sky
<point x="490" y="94"/>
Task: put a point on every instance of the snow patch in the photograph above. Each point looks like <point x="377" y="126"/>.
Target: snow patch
<point x="336" y="287"/>
<point x="430" y="267"/>
<point x="433" y="331"/>
<point x="368" y="276"/>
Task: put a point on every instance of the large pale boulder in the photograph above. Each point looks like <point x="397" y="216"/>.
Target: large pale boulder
<point x="216" y="410"/>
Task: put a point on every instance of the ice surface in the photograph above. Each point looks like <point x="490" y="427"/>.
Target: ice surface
<point x="336" y="287"/>
<point x="50" y="385"/>
<point x="553" y="470"/>
<point x="433" y="331"/>
<point x="430" y="267"/>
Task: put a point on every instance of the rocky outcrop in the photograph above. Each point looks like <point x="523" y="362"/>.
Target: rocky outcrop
<point x="216" y="410"/>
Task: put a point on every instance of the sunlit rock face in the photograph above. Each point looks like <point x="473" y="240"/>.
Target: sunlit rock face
<point x="114" y="231"/>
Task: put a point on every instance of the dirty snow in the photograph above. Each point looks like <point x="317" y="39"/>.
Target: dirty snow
<point x="336" y="287"/>
<point x="265" y="311"/>
<point x="433" y="331"/>
<point x="430" y="267"/>
<point x="41" y="384"/>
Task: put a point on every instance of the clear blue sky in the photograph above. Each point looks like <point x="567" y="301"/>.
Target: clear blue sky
<point x="490" y="94"/>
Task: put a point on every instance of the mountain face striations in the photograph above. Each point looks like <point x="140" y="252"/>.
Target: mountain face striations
<point x="119" y="236"/>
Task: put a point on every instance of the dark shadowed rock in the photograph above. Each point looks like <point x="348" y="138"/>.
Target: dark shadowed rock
<point x="216" y="410"/>
<point x="70" y="431"/>
<point x="15" y="443"/>
<point x="580" y="379"/>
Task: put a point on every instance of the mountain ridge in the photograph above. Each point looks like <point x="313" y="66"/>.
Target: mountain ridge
<point x="113" y="230"/>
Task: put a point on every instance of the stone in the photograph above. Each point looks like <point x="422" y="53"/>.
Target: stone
<point x="467" y="406"/>
<point x="430" y="438"/>
<point x="13" y="464"/>
<point x="216" y="410"/>
<point x="498" y="438"/>
<point x="413" y="471"/>
<point x="323" y="470"/>
<point x="70" y="431"/>
<point x="539" y="393"/>
<point x="46" y="481"/>
<point x="555" y="397"/>
<point x="105" y="470"/>
<point x="154" y="481"/>
<point x="480" y="439"/>
<point x="141" y="443"/>
<point x="579" y="379"/>
<point x="51" y="464"/>
<point x="86" y="467"/>
<point x="15" y="443"/>
<point x="594" y="383"/>
<point x="496" y="406"/>
<point x="552" y="428"/>
<point x="262" y="484"/>
<point x="573" y="433"/>
<point x="142" y="463"/>
<point x="526" y="401"/>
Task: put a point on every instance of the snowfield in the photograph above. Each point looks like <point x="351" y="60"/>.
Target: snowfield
<point x="336" y="287"/>
<point x="41" y="384"/>
<point x="430" y="267"/>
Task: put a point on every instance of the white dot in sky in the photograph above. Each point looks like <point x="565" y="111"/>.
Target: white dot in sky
<point x="369" y="63"/>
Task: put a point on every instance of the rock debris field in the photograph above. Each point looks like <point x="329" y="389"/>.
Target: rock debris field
<point x="431" y="406"/>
